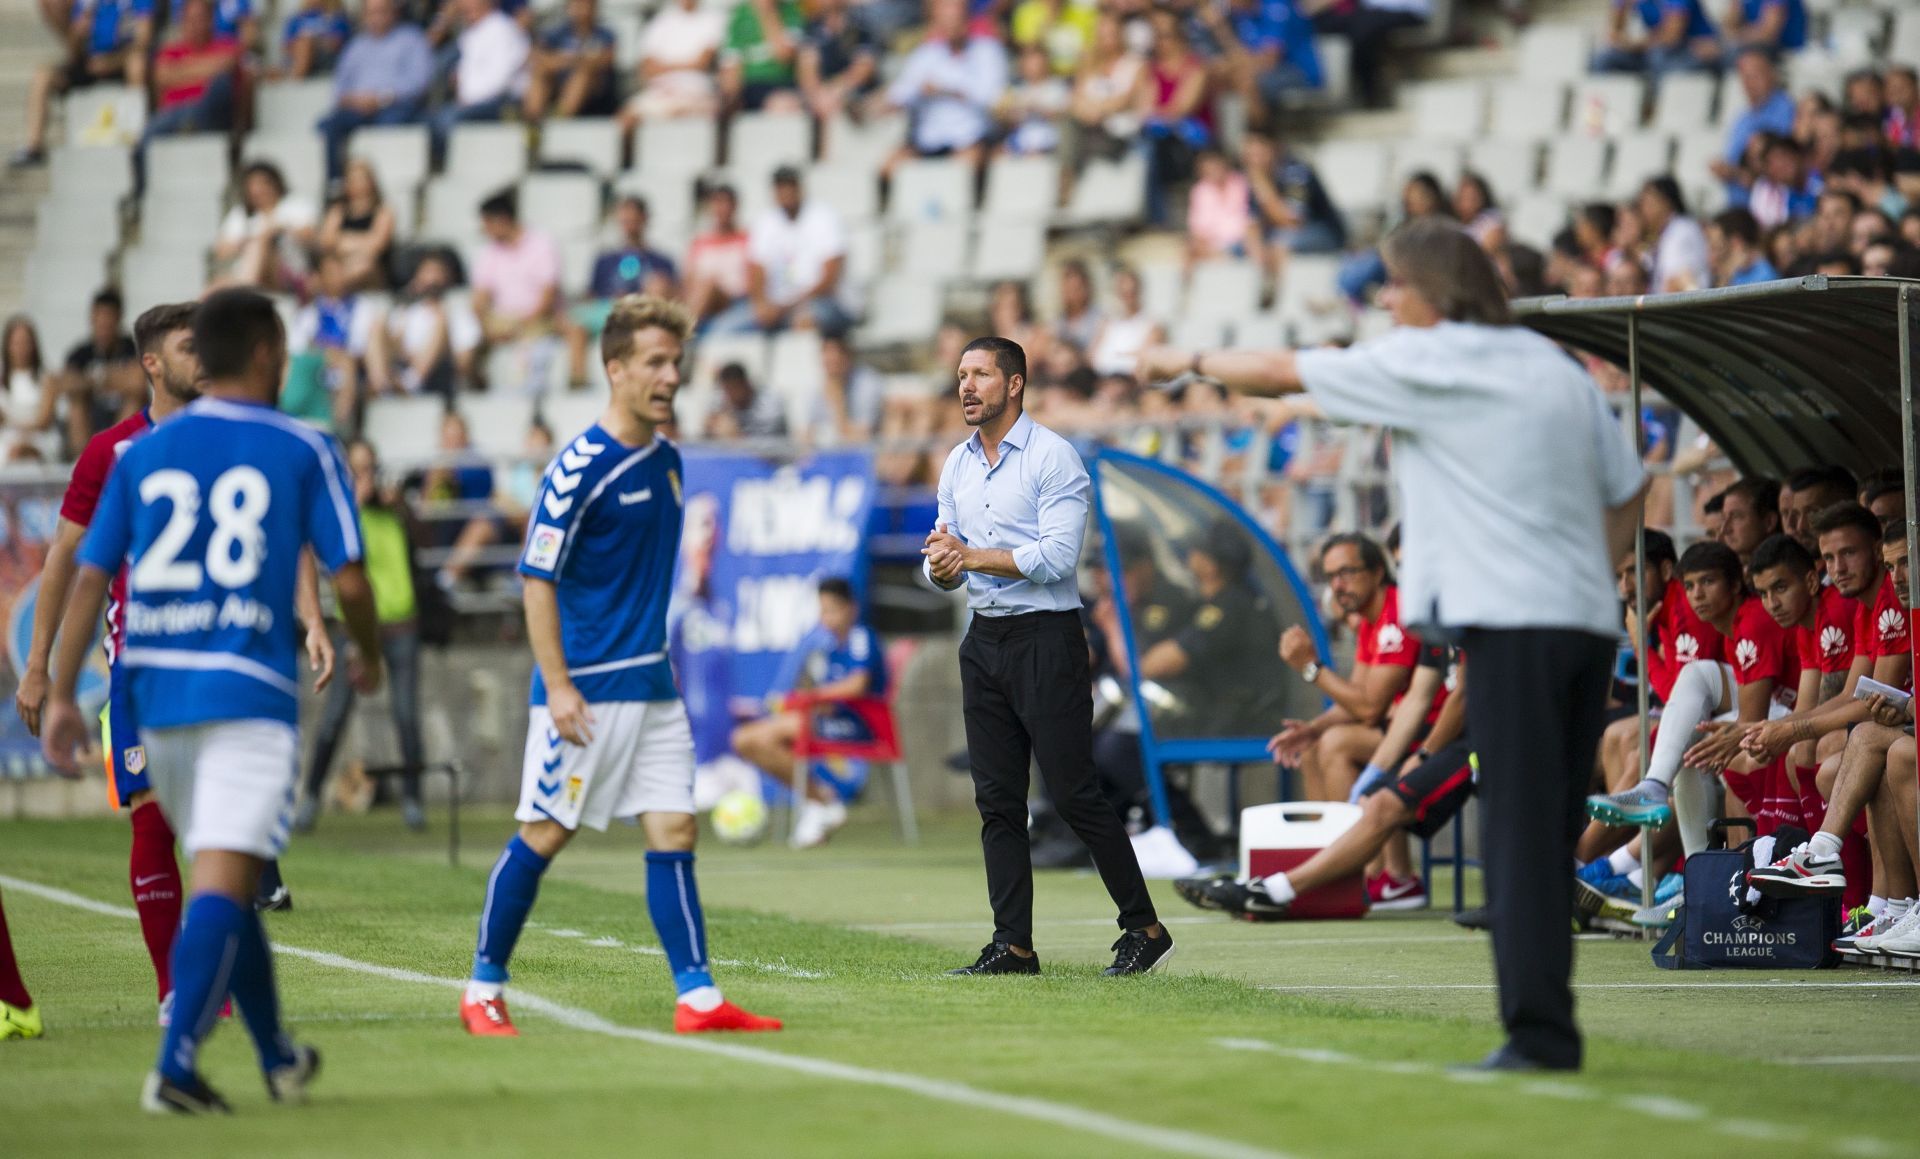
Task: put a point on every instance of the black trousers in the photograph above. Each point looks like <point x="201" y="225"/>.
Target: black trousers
<point x="1027" y="695"/>
<point x="1535" y="712"/>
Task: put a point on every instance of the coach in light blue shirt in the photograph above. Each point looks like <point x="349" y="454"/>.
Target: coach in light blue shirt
<point x="1013" y="512"/>
<point x="381" y="79"/>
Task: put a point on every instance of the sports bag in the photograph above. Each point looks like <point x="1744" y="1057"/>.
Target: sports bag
<point x="1721" y="926"/>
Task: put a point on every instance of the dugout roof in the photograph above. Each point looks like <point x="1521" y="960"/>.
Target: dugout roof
<point x="1781" y="375"/>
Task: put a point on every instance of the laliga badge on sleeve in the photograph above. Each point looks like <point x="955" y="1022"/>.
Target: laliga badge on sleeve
<point x="543" y="547"/>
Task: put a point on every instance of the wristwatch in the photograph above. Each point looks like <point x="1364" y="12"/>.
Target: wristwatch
<point x="1311" y="672"/>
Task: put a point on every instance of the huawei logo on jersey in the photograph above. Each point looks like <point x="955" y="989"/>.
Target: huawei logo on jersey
<point x="1686" y="649"/>
<point x="1892" y="624"/>
<point x="1833" y="641"/>
<point x="1389" y="638"/>
<point x="1745" y="653"/>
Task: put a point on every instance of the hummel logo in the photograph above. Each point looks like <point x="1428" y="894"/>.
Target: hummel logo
<point x="629" y="498"/>
<point x="557" y="506"/>
<point x="1746" y="653"/>
<point x="587" y="448"/>
<point x="573" y="460"/>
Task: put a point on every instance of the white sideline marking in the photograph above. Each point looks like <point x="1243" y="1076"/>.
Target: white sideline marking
<point x="1169" y="1139"/>
<point x="148" y="1023"/>
<point x="610" y="943"/>
<point x="1652" y="1105"/>
<point x="1782" y="985"/>
<point x="1853" y="1060"/>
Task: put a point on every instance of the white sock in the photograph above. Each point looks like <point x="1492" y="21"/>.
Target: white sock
<point x="1897" y="908"/>
<point x="1824" y="847"/>
<point x="1696" y="695"/>
<point x="1636" y="877"/>
<point x="702" y="998"/>
<point x="1621" y="861"/>
<point x="1278" y="888"/>
<point x="1876" y="905"/>
<point x="478" y="991"/>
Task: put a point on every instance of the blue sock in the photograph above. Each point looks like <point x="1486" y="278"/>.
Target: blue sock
<point x="205" y="954"/>
<point x="673" y="901"/>
<point x="510" y="892"/>
<point x="258" y="997"/>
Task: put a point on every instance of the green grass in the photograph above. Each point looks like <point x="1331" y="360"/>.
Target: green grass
<point x="402" y="1079"/>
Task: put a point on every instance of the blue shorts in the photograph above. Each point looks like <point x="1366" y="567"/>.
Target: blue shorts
<point x="126" y="757"/>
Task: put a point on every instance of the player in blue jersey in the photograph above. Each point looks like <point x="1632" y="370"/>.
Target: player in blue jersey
<point x="210" y="513"/>
<point x="839" y="660"/>
<point x="607" y="735"/>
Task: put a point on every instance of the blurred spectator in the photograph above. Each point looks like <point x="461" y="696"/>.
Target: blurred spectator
<point x="359" y="227"/>
<point x="193" y="81"/>
<point x="492" y="72"/>
<point x="312" y="38"/>
<point x="1887" y="258"/>
<point x="382" y="79"/>
<point x="1868" y="175"/>
<point x="1733" y="246"/>
<point x="757" y="64"/>
<point x="1769" y="110"/>
<point x="1365" y="272"/>
<point x="570" y="74"/>
<point x="1293" y="213"/>
<point x="337" y="325"/>
<point x="104" y="42"/>
<point x="512" y="492"/>
<point x="1593" y="226"/>
<point x="742" y="411"/>
<point x="1267" y="51"/>
<point x="1832" y="222"/>
<point x="1903" y="107"/>
<point x="29" y="401"/>
<point x="1479" y="213"/>
<point x="459" y="476"/>
<point x="1078" y="324"/>
<point x="949" y="86"/>
<point x="851" y="395"/>
<point x="1033" y="106"/>
<point x="838" y="62"/>
<point x="233" y="20"/>
<point x="428" y="342"/>
<point x="1063" y="29"/>
<point x="677" y="52"/>
<point x="1127" y="328"/>
<point x="1219" y="209"/>
<point x="263" y="240"/>
<point x="1678" y="37"/>
<point x="102" y="380"/>
<point x="1781" y="192"/>
<point x="1868" y="226"/>
<point x="1767" y="25"/>
<point x="1173" y="101"/>
<point x="1680" y="245"/>
<point x="1010" y="315"/>
<point x="1865" y="94"/>
<point x="516" y="294"/>
<point x="717" y="262"/>
<point x="629" y="267"/>
<point x="1367" y="25"/>
<point x="796" y="254"/>
<point x="1101" y="117"/>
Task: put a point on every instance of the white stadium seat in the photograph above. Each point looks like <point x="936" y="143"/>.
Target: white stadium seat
<point x="1607" y="105"/>
<point x="1224" y="289"/>
<point x="1553" y="52"/>
<point x="291" y="106"/>
<point x="405" y="429"/>
<point x="566" y="205"/>
<point x="1354" y="174"/>
<point x="1109" y="191"/>
<point x="1637" y="157"/>
<point x="1022" y="189"/>
<point x="1443" y="159"/>
<point x="452" y="208"/>
<point x="300" y="156"/>
<point x="1449" y="110"/>
<point x="853" y="191"/>
<point x="398" y="154"/>
<point x="487" y="156"/>
<point x="105" y="115"/>
<point x="933" y="189"/>
<point x="590" y="141"/>
<point x="188" y="162"/>
<point x="905" y="309"/>
<point x="89" y="173"/>
<point x="1510" y="167"/>
<point x="934" y="249"/>
<point x="1527" y="110"/>
<point x="1009" y="249"/>
<point x="1684" y="102"/>
<point x="1576" y="167"/>
<point x="1536" y="218"/>
<point x="684" y="145"/>
<point x="179" y="219"/>
<point x="498" y="421"/>
<point x="759" y="143"/>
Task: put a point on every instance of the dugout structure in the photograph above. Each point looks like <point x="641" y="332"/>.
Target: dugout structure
<point x="1780" y="375"/>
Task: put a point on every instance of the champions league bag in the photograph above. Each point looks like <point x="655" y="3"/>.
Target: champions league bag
<point x="1725" y="924"/>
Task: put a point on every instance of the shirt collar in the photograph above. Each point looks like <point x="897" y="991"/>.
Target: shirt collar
<point x="1016" y="436"/>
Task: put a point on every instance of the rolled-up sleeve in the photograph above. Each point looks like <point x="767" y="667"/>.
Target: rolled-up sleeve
<point x="1060" y="513"/>
<point x="946" y="517"/>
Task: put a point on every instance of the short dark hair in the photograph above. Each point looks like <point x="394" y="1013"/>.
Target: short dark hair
<point x="733" y="372"/>
<point x="1762" y="492"/>
<point x="1443" y="264"/>
<point x="1845" y="515"/>
<point x="1668" y="190"/>
<point x="229" y="327"/>
<point x="1781" y="551"/>
<point x="1826" y="475"/>
<point x="1739" y="225"/>
<point x="1716" y="504"/>
<point x="1882" y="487"/>
<point x="1712" y="555"/>
<point x="1893" y="531"/>
<point x="268" y="170"/>
<point x="837" y="587"/>
<point x="1372" y="556"/>
<point x="109" y="297"/>
<point x="151" y="328"/>
<point x="638" y="202"/>
<point x="505" y="203"/>
<point x="1660" y="547"/>
<point x="1009" y="356"/>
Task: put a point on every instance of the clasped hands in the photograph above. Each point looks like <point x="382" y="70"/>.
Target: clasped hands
<point x="946" y="556"/>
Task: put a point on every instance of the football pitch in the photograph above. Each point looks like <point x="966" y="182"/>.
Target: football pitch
<point x="1301" y="1039"/>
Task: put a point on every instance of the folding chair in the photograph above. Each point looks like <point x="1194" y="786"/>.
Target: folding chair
<point x="882" y="747"/>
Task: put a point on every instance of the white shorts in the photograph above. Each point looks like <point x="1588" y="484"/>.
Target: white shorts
<point x="227" y="785"/>
<point x="640" y="760"/>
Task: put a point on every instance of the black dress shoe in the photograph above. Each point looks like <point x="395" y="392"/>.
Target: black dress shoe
<point x="999" y="958"/>
<point x="1506" y="1058"/>
<point x="1137" y="952"/>
<point x="1472" y="919"/>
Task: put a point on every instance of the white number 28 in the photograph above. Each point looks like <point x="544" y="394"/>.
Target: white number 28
<point x="238" y="503"/>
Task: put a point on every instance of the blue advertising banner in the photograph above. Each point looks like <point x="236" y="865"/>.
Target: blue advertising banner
<point x="759" y="536"/>
<point x="29" y="512"/>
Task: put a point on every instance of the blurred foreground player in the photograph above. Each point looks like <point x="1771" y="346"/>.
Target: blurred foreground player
<point x="1508" y="452"/>
<point x="607" y="733"/>
<point x="210" y="515"/>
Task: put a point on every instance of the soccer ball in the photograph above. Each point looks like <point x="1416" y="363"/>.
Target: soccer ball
<point x="739" y="818"/>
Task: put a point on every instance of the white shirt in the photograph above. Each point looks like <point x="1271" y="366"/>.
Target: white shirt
<point x="969" y="82"/>
<point x="677" y="39"/>
<point x="1682" y="254"/>
<point x="288" y="213"/>
<point x="1507" y="460"/>
<point x="493" y="59"/>
<point x="794" y="251"/>
<point x="412" y="326"/>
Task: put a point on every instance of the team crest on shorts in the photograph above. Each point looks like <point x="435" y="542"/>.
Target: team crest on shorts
<point x="134" y="759"/>
<point x="574" y="784"/>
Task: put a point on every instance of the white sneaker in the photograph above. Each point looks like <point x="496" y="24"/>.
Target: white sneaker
<point x="1907" y="929"/>
<point x="817" y="822"/>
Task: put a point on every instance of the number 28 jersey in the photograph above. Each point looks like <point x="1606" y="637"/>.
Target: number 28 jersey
<point x="209" y="513"/>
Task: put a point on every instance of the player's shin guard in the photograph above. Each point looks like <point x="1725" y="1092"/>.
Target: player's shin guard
<point x="13" y="989"/>
<point x="511" y="889"/>
<point x="204" y="957"/>
<point x="258" y="997"/>
<point x="673" y="902"/>
<point x="154" y="875"/>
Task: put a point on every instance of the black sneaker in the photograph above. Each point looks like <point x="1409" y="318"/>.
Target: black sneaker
<point x="1137" y="952"/>
<point x="279" y="898"/>
<point x="1472" y="919"/>
<point x="27" y="159"/>
<point x="999" y="958"/>
<point x="1203" y="892"/>
<point x="163" y="1096"/>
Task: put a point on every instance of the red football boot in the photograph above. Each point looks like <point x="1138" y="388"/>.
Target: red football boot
<point x="487" y="1018"/>
<point x="726" y="1016"/>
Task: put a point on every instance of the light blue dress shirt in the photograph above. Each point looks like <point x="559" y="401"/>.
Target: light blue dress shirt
<point x="398" y="65"/>
<point x="1033" y="502"/>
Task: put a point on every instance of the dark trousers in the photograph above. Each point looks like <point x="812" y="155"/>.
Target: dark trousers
<point x="1535" y="715"/>
<point x="1027" y="695"/>
<point x="401" y="650"/>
